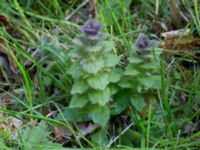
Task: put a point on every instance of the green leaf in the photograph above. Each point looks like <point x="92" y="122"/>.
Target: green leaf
<point x="114" y="88"/>
<point x="115" y="75"/>
<point x="95" y="48"/>
<point x="150" y="66"/>
<point x="75" y="54"/>
<point x="111" y="60"/>
<point x="47" y="81"/>
<point x="79" y="87"/>
<point x="37" y="138"/>
<point x="73" y="114"/>
<point x="76" y="71"/>
<point x="94" y="66"/>
<point x="138" y="103"/>
<point x="131" y="71"/>
<point x="121" y="101"/>
<point x="100" y="115"/>
<point x="78" y="101"/>
<point x="100" y="97"/>
<point x="77" y="42"/>
<point x="134" y="60"/>
<point x="107" y="46"/>
<point x="157" y="51"/>
<point x="125" y="83"/>
<point x="100" y="138"/>
<point x="153" y="81"/>
<point x="131" y="138"/>
<point x="99" y="81"/>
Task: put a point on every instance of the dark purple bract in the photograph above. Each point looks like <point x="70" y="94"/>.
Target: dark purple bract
<point x="142" y="42"/>
<point x="91" y="29"/>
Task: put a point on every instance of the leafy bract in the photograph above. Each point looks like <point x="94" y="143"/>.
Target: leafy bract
<point x="107" y="46"/>
<point x="138" y="102"/>
<point x="131" y="70"/>
<point x="73" y="114"/>
<point x="100" y="115"/>
<point x="93" y="66"/>
<point x="99" y="96"/>
<point x="78" y="101"/>
<point x="76" y="71"/>
<point x="79" y="87"/>
<point x="111" y="60"/>
<point x="153" y="81"/>
<point x="99" y="82"/>
<point x="115" y="75"/>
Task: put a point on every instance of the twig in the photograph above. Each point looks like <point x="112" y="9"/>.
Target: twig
<point x="94" y="9"/>
<point x="117" y="137"/>
<point x="79" y="7"/>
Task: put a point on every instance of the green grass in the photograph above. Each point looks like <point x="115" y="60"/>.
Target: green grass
<point x="40" y="26"/>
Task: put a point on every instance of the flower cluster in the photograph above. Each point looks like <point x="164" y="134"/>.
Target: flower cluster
<point x="91" y="29"/>
<point x="143" y="65"/>
<point x="143" y="44"/>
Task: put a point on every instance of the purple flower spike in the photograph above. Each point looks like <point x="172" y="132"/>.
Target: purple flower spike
<point x="142" y="42"/>
<point x="91" y="29"/>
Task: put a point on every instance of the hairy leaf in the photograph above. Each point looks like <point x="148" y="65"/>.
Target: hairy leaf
<point x="79" y="87"/>
<point x="111" y="60"/>
<point x="107" y="46"/>
<point x="138" y="102"/>
<point x="95" y="48"/>
<point x="94" y="66"/>
<point x="100" y="97"/>
<point x="131" y="70"/>
<point x="73" y="114"/>
<point x="134" y="60"/>
<point x="153" y="81"/>
<point x="115" y="75"/>
<point x="100" y="115"/>
<point x="99" y="81"/>
<point x="78" y="101"/>
<point x="76" y="71"/>
<point x="100" y="138"/>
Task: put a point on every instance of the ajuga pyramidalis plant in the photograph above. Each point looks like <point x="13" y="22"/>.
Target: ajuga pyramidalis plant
<point x="142" y="74"/>
<point x="93" y="72"/>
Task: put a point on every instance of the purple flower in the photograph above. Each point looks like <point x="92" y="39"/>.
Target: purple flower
<point x="142" y="42"/>
<point x="144" y="45"/>
<point x="91" y="29"/>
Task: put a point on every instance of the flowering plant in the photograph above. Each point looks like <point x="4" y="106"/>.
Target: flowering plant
<point x="93" y="70"/>
<point x="143" y="71"/>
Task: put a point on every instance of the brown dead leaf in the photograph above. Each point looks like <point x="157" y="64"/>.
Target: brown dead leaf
<point x="61" y="132"/>
<point x="5" y="99"/>
<point x="184" y="43"/>
<point x="93" y="8"/>
<point x="175" y="33"/>
<point x="64" y="133"/>
<point x="9" y="125"/>
<point x="8" y="64"/>
<point x="87" y="129"/>
<point x="178" y="41"/>
<point x="3" y="20"/>
<point x="191" y="128"/>
<point x="69" y="1"/>
<point x="15" y="123"/>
